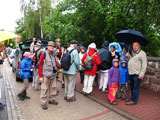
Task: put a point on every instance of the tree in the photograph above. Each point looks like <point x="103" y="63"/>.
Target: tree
<point x="98" y="20"/>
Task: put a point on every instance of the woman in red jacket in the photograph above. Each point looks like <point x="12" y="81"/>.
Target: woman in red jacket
<point x="90" y="74"/>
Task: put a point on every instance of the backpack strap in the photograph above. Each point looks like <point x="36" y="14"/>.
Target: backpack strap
<point x="71" y="51"/>
<point x="36" y="55"/>
<point x="92" y="55"/>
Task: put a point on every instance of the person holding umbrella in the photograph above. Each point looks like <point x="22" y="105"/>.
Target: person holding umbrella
<point x="137" y="67"/>
<point x="137" y="63"/>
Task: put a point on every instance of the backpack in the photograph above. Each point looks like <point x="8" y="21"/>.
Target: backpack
<point x="37" y="57"/>
<point x="106" y="59"/>
<point x="66" y="60"/>
<point x="88" y="62"/>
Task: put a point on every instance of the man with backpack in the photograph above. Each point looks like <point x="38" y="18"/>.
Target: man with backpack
<point x="70" y="63"/>
<point x="37" y="50"/>
<point x="47" y="76"/>
<point x="90" y="61"/>
<point x="106" y="64"/>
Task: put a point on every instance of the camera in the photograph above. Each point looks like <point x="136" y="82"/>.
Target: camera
<point x="55" y="69"/>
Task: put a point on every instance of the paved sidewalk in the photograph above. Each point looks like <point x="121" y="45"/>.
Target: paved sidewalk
<point x="148" y="107"/>
<point x="3" y="112"/>
<point x="82" y="109"/>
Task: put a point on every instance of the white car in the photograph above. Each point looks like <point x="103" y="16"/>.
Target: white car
<point x="11" y="57"/>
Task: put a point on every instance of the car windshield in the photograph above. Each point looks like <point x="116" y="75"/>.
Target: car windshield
<point x="27" y="46"/>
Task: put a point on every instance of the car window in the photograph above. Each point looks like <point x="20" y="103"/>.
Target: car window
<point x="16" y="54"/>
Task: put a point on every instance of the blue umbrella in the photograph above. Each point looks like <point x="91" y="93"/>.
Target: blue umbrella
<point x="130" y="36"/>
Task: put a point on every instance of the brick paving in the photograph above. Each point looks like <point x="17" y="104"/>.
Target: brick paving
<point x="148" y="107"/>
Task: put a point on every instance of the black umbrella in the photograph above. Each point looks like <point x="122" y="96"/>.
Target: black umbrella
<point x="130" y="36"/>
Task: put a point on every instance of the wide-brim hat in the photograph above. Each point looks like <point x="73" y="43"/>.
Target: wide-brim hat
<point x="51" y="43"/>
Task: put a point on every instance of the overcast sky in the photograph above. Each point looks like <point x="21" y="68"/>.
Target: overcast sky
<point x="9" y="13"/>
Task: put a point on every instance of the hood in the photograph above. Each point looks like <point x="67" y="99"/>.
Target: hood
<point x="92" y="45"/>
<point x="105" y="45"/>
<point x="91" y="51"/>
<point x="124" y="60"/>
<point x="115" y="60"/>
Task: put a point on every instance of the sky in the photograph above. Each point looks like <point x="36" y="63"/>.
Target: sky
<point x="9" y="13"/>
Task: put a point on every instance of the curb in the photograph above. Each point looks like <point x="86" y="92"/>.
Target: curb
<point x="13" y="109"/>
<point x="116" y="110"/>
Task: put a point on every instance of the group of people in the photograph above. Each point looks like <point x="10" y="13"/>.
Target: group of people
<point x="115" y="70"/>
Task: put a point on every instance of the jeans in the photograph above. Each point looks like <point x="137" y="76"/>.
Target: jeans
<point x="135" y="87"/>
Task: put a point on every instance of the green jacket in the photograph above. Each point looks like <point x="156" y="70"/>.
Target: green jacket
<point x="76" y="62"/>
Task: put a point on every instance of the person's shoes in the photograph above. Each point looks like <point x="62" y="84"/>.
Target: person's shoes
<point x="71" y="100"/>
<point x="27" y="97"/>
<point x="21" y="98"/>
<point x="53" y="102"/>
<point x="57" y="92"/>
<point x="100" y="89"/>
<point x="44" y="106"/>
<point x="127" y="100"/>
<point x="95" y="85"/>
<point x="1" y="76"/>
<point x="65" y="98"/>
<point x="84" y="93"/>
<point x="113" y="103"/>
<point x="2" y="106"/>
<point x="105" y="91"/>
<point x="131" y="103"/>
<point x="63" y="86"/>
<point x="91" y="93"/>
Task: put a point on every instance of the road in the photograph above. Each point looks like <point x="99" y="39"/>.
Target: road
<point x="83" y="109"/>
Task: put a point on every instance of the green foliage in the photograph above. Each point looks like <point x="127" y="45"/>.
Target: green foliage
<point x="98" y="20"/>
<point x="34" y="12"/>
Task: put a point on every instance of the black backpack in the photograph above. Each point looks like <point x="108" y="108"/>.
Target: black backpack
<point x="37" y="57"/>
<point x="66" y="60"/>
<point x="106" y="59"/>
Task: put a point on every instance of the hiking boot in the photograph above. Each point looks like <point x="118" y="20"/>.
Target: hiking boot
<point x="113" y="103"/>
<point x="131" y="103"/>
<point x="27" y="97"/>
<point x="71" y="100"/>
<point x="21" y="98"/>
<point x="105" y="91"/>
<point x="63" y="86"/>
<point x="1" y="76"/>
<point x="44" y="106"/>
<point x="2" y="106"/>
<point x="65" y="98"/>
<point x="53" y="102"/>
<point x="127" y="100"/>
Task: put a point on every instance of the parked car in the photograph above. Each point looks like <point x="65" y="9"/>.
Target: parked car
<point x="11" y="56"/>
<point x="18" y="56"/>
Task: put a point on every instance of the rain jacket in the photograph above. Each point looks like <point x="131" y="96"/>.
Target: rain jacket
<point x="114" y="75"/>
<point x="106" y="58"/>
<point x="118" y="48"/>
<point x="76" y="62"/>
<point x="25" y="68"/>
<point x="96" y="61"/>
<point x="124" y="75"/>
